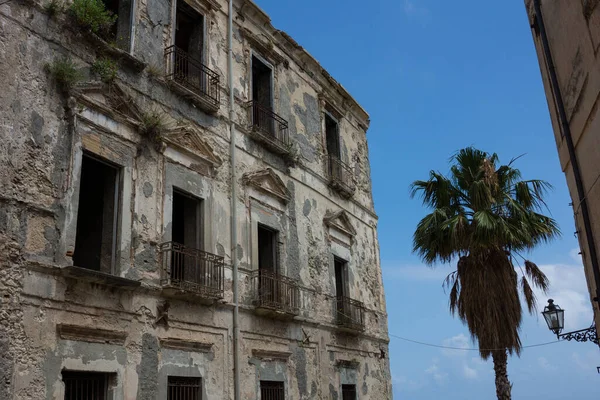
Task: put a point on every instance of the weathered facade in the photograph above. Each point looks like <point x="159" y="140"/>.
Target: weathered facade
<point x="115" y="203"/>
<point x="567" y="39"/>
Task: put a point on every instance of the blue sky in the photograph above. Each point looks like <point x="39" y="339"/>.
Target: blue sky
<point x="436" y="76"/>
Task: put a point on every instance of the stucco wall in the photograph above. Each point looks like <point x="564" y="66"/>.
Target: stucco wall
<point x="52" y="320"/>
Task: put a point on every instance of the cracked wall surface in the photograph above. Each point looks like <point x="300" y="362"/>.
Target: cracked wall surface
<point x="56" y="316"/>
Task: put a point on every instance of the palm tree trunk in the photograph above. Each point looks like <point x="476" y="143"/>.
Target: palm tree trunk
<point x="503" y="386"/>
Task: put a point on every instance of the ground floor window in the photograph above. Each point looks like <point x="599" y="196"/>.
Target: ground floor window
<point x="184" y="388"/>
<point x="85" y="385"/>
<point x="271" y="390"/>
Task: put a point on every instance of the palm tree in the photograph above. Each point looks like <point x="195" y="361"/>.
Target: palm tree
<point x="483" y="215"/>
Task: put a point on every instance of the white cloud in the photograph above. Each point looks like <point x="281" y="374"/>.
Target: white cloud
<point x="460" y="341"/>
<point x="569" y="289"/>
<point x="574" y="254"/>
<point x="468" y="372"/>
<point x="440" y="377"/>
<point x="545" y="365"/>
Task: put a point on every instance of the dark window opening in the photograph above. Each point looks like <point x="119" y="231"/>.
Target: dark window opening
<point x="96" y="237"/>
<point x="184" y="388"/>
<point x="86" y="385"/>
<point x="189" y="32"/>
<point x="120" y="31"/>
<point x="186" y="230"/>
<point x="341" y="277"/>
<point x="348" y="392"/>
<point x="332" y="136"/>
<point x="271" y="390"/>
<point x="267" y="249"/>
<point x="261" y="83"/>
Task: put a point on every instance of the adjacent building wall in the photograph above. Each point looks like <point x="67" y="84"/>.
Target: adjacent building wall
<point x="53" y="318"/>
<point x="573" y="29"/>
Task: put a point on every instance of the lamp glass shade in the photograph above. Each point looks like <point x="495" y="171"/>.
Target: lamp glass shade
<point x="555" y="317"/>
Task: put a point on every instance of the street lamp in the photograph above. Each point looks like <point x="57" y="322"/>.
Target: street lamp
<point x="555" y="318"/>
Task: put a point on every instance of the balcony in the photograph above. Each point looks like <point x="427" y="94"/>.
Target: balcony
<point x="275" y="295"/>
<point x="340" y="176"/>
<point x="192" y="79"/>
<point x="191" y="273"/>
<point x="269" y="128"/>
<point x="350" y="315"/>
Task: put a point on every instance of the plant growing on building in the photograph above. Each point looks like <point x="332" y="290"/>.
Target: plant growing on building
<point x="154" y="71"/>
<point x="65" y="72"/>
<point x="483" y="215"/>
<point x="106" y="69"/>
<point x="152" y="126"/>
<point x="92" y="15"/>
<point x="53" y="7"/>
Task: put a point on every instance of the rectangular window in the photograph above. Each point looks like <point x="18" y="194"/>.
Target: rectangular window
<point x="96" y="237"/>
<point x="332" y="136"/>
<point x="348" y="392"/>
<point x="184" y="388"/>
<point x="120" y="32"/>
<point x="267" y="249"/>
<point x="341" y="277"/>
<point x="189" y="32"/>
<point x="85" y="385"/>
<point x="186" y="230"/>
<point x="262" y="91"/>
<point x="271" y="390"/>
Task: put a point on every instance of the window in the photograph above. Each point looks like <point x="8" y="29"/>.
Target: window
<point x="267" y="249"/>
<point x="271" y="390"/>
<point x="187" y="231"/>
<point x="187" y="220"/>
<point x="341" y="277"/>
<point x="96" y="236"/>
<point x="348" y="392"/>
<point x="85" y="385"/>
<point x="121" y="30"/>
<point x="189" y="33"/>
<point x="332" y="136"/>
<point x="262" y="89"/>
<point x="184" y="388"/>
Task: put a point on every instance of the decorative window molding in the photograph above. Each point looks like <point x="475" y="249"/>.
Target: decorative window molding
<point x="271" y="355"/>
<point x="110" y="100"/>
<point x="90" y="334"/>
<point x="186" y="345"/>
<point x="340" y="226"/>
<point x="188" y="141"/>
<point x="268" y="182"/>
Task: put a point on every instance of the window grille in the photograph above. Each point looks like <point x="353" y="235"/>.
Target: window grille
<point x="270" y="390"/>
<point x="348" y="392"/>
<point x="184" y="388"/>
<point x="85" y="385"/>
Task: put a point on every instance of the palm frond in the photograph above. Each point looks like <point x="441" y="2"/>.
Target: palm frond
<point x="536" y="275"/>
<point x="529" y="295"/>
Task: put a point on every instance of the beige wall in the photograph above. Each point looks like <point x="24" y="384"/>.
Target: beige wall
<point x="573" y="29"/>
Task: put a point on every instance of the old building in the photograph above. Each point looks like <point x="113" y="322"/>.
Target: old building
<point x="567" y="39"/>
<point x="119" y="256"/>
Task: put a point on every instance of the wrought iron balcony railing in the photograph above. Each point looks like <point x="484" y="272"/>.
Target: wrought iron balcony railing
<point x="269" y="127"/>
<point x="192" y="75"/>
<point x="275" y="292"/>
<point x="192" y="270"/>
<point x="350" y="314"/>
<point x="340" y="176"/>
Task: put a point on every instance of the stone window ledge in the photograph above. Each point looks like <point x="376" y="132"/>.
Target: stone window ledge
<point x="102" y="278"/>
<point x="120" y="55"/>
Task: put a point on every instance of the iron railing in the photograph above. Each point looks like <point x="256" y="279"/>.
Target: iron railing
<point x="192" y="74"/>
<point x="85" y="385"/>
<point x="269" y="125"/>
<point x="184" y="388"/>
<point x="348" y="392"/>
<point x="340" y="174"/>
<point x="192" y="270"/>
<point x="271" y="390"/>
<point x="350" y="313"/>
<point x="276" y="292"/>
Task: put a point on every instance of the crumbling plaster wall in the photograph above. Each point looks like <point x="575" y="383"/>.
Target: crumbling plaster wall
<point x="39" y="159"/>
